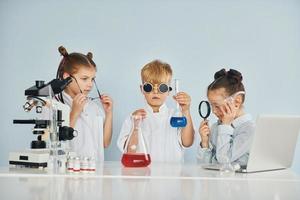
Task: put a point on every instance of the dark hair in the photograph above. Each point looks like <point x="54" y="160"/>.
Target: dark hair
<point x="70" y="63"/>
<point x="230" y="80"/>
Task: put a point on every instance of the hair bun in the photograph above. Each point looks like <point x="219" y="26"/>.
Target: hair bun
<point x="62" y="50"/>
<point x="89" y="55"/>
<point x="219" y="74"/>
<point x="234" y="75"/>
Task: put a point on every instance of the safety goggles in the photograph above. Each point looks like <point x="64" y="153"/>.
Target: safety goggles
<point x="227" y="99"/>
<point x="162" y="87"/>
<point x="90" y="98"/>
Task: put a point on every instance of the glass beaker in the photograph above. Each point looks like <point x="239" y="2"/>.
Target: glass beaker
<point x="178" y="120"/>
<point x="135" y="153"/>
<point x="227" y="167"/>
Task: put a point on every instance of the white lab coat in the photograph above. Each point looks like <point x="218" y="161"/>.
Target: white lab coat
<point x="163" y="141"/>
<point x="89" y="126"/>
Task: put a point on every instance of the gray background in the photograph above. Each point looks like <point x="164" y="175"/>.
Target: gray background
<point x="259" y="38"/>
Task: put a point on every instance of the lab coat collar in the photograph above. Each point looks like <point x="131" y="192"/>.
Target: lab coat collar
<point x="67" y="98"/>
<point x="163" y="108"/>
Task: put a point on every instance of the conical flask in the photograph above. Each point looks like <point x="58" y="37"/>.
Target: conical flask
<point x="135" y="152"/>
<point x="178" y="120"/>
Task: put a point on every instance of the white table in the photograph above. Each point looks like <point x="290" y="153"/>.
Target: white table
<point x="158" y="181"/>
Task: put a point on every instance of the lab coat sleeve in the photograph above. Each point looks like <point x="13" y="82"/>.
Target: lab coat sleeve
<point x="242" y="143"/>
<point x="204" y="155"/>
<point x="224" y="142"/>
<point x="180" y="139"/>
<point x="124" y="133"/>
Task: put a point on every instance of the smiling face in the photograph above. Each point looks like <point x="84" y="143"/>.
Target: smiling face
<point x="82" y="81"/>
<point x="216" y="99"/>
<point x="219" y="97"/>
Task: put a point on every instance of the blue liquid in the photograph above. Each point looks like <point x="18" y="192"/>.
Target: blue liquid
<point x="178" y="122"/>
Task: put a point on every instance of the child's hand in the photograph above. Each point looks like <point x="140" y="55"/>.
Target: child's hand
<point x="204" y="132"/>
<point x="107" y="103"/>
<point x="78" y="103"/>
<point x="138" y="115"/>
<point x="184" y="100"/>
<point x="77" y="106"/>
<point x="141" y="112"/>
<point x="229" y="112"/>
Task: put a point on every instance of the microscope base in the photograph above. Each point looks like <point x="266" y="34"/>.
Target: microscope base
<point x="33" y="158"/>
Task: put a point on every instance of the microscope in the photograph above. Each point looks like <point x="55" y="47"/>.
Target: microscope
<point x="49" y="126"/>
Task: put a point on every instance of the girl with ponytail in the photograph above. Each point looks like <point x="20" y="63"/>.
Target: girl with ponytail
<point x="229" y="139"/>
<point x="92" y="122"/>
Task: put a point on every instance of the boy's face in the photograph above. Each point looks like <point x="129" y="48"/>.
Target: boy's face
<point x="156" y="93"/>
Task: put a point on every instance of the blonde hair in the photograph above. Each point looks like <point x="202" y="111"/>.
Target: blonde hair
<point x="156" y="71"/>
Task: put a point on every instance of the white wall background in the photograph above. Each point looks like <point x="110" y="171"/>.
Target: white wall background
<point x="259" y="38"/>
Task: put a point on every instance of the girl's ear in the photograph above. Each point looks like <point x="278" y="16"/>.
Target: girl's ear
<point x="66" y="75"/>
<point x="238" y="101"/>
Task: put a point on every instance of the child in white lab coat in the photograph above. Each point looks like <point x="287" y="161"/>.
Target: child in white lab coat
<point x="229" y="139"/>
<point x="165" y="143"/>
<point x="93" y="123"/>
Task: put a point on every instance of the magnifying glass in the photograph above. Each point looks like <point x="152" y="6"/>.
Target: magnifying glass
<point x="204" y="109"/>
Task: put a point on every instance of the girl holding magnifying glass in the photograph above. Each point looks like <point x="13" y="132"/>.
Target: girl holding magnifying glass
<point x="229" y="139"/>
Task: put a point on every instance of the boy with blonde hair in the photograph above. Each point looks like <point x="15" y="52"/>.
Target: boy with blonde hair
<point x="165" y="143"/>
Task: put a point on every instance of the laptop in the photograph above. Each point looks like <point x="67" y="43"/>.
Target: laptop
<point x="273" y="145"/>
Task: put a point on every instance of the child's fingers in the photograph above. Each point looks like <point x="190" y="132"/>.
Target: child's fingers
<point x="204" y="122"/>
<point x="181" y="95"/>
<point x="78" y="96"/>
<point x="104" y="96"/>
<point x="140" y="112"/>
<point x="204" y="131"/>
<point x="106" y="100"/>
<point x="143" y="114"/>
<point x="80" y="99"/>
<point x="228" y="107"/>
<point x="223" y="111"/>
<point x="183" y="100"/>
<point x="204" y="128"/>
<point x="232" y="107"/>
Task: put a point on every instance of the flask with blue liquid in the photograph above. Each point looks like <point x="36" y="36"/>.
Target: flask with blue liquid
<point x="178" y="120"/>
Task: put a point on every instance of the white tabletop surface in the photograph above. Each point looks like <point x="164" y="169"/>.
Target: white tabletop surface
<point x="158" y="181"/>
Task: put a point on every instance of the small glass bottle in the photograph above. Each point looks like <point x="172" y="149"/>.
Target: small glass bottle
<point x="70" y="164"/>
<point x="84" y="164"/>
<point x="76" y="166"/>
<point x="92" y="165"/>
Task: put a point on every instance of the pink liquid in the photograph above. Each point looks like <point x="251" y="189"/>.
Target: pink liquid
<point x="136" y="160"/>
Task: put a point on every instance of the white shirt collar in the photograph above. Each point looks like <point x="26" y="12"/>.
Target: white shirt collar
<point x="163" y="108"/>
<point x="67" y="98"/>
